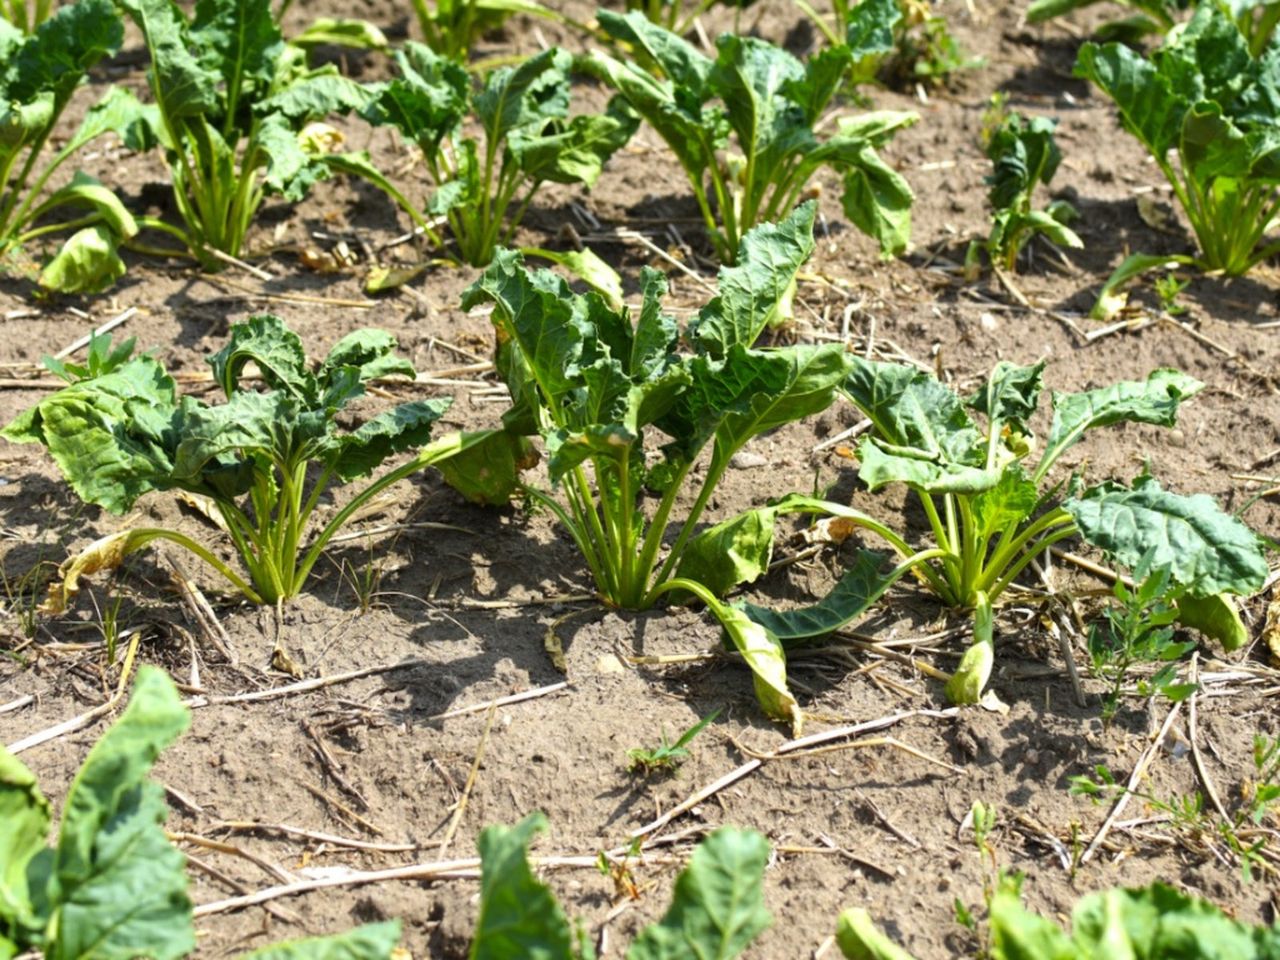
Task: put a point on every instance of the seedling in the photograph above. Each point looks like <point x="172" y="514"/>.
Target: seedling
<point x="1169" y="287"/>
<point x="1139" y="628"/>
<point x="1218" y="123"/>
<point x="262" y="459"/>
<point x="667" y="757"/>
<point x="1024" y="154"/>
<point x="991" y="513"/>
<point x="771" y="103"/>
<point x="39" y="75"/>
<point x="485" y="184"/>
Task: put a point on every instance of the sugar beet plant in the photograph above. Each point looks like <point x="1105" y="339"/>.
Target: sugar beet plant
<point x="38" y="76"/>
<point x="262" y="459"/>
<point x="236" y="111"/>
<point x="770" y="104"/>
<point x="112" y="886"/>
<point x="595" y="385"/>
<point x="991" y="512"/>
<point x="1204" y="99"/>
<point x="484" y="185"/>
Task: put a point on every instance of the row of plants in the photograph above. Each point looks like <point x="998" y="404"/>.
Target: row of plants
<point x="592" y="387"/>
<point x="113" y="886"/>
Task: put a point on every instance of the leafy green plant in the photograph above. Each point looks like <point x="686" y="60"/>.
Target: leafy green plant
<point x="1147" y="17"/>
<point x="484" y="185"/>
<point x="1139" y="628"/>
<point x="1154" y="921"/>
<point x="236" y="111"/>
<point x="39" y="75"/>
<point x="667" y="757"/>
<point x="1241" y="830"/>
<point x="592" y="383"/>
<point x="1023" y="153"/>
<point x="26" y="15"/>
<point x="1203" y="98"/>
<point x="113" y="887"/>
<point x="991" y="514"/>
<point x="452" y="27"/>
<point x="771" y="104"/>
<point x="717" y="908"/>
<point x="262" y="459"/>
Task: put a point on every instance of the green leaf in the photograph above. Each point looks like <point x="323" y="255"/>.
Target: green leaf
<point x="290" y="171"/>
<point x="861" y="585"/>
<point x="427" y="102"/>
<point x="373" y="941"/>
<point x="488" y="473"/>
<point x="275" y="350"/>
<point x="574" y="152"/>
<point x="877" y="199"/>
<point x="871" y="28"/>
<point x="110" y="436"/>
<point x="58" y="55"/>
<point x="119" y="111"/>
<point x="718" y="905"/>
<point x="678" y="59"/>
<point x="519" y="916"/>
<point x="84" y="190"/>
<point x="1017" y="934"/>
<point x="370" y="351"/>
<point x="341" y="32"/>
<point x="859" y="938"/>
<point x="1011" y="501"/>
<point x="586" y="265"/>
<point x="389" y="433"/>
<point x="527" y="95"/>
<point x="751" y="291"/>
<point x="1010" y="396"/>
<point x="239" y="40"/>
<point x="1154" y="400"/>
<point x="1149" y="108"/>
<point x="86" y="263"/>
<point x="318" y="95"/>
<point x="115" y="885"/>
<point x="183" y="86"/>
<point x="880" y="465"/>
<point x="767" y="661"/>
<point x="1216" y="616"/>
<point x="24" y="823"/>
<point x="751" y="77"/>
<point x="1206" y="551"/>
<point x="1110" y="298"/>
<point x="733" y="551"/>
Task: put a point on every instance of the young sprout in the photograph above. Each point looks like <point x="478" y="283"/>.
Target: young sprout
<point x="667" y="757"/>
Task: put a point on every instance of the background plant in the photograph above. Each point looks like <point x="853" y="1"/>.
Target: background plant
<point x="113" y="887"/>
<point x="667" y="757"/>
<point x="236" y="111"/>
<point x="262" y="460"/>
<point x="1203" y="98"/>
<point x="990" y="515"/>
<point x="26" y="15"/>
<point x="39" y="74"/>
<point x="451" y="28"/>
<point x="484" y="185"/>
<point x="770" y="103"/>
<point x="595" y="384"/>
<point x="1024" y="153"/>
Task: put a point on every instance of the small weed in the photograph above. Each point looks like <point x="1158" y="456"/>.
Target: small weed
<point x="667" y="757"/>
<point x="365" y="581"/>
<point x="23" y="596"/>
<point x="1138" y="628"/>
<point x="1168" y="288"/>
<point x="108" y="623"/>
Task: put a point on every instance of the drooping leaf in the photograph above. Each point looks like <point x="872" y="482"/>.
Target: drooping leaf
<point x="1206" y="551"/>
<point x="1010" y="396"/>
<point x="718" y="905"/>
<point x="489" y="472"/>
<point x="87" y="263"/>
<point x="734" y="551"/>
<point x="275" y="350"/>
<point x="767" y="661"/>
<point x="519" y="916"/>
<point x="373" y="941"/>
<point x="24" y="823"/>
<point x="389" y="433"/>
<point x="1216" y="616"/>
<point x="860" y="939"/>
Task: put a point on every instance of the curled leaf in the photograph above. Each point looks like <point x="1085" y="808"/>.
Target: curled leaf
<point x="106" y="553"/>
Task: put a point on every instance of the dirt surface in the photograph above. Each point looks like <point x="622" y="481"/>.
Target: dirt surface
<point x="466" y="596"/>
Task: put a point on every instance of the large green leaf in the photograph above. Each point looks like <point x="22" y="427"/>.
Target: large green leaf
<point x="574" y="152"/>
<point x="24" y="824"/>
<point x="733" y="551"/>
<point x="116" y="888"/>
<point x="394" y="431"/>
<point x="1206" y="551"/>
<point x="871" y="27"/>
<point x="290" y="171"/>
<point x="59" y="54"/>
<point x="427" y="102"/>
<point x="317" y="95"/>
<point x="488" y="473"/>
<point x="183" y="86"/>
<point x="87" y="263"/>
<point x="674" y="56"/>
<point x="275" y="350"/>
<point x="718" y="905"/>
<point x="1154" y="400"/>
<point x="239" y="40"/>
<point x="1149" y="108"/>
<point x="519" y="916"/>
<point x="110" y="436"/>
<point x="373" y="941"/>
<point x="527" y="95"/>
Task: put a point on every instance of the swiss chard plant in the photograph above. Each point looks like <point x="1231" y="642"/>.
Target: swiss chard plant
<point x="1154" y="921"/>
<point x="261" y="460"/>
<point x="1024" y="154"/>
<point x="39" y="74"/>
<point x="596" y="386"/>
<point x="1204" y="107"/>
<point x="716" y="911"/>
<point x="237" y="114"/>
<point x="744" y="126"/>
<point x="992" y="509"/>
<point x="112" y="887"/>
<point x="525" y="138"/>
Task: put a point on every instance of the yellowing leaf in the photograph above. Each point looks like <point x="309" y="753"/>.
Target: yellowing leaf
<point x="106" y="553"/>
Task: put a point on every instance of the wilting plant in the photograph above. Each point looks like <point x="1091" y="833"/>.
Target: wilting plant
<point x="1203" y="98"/>
<point x="717" y="908"/>
<point x="113" y="885"/>
<point x="262" y="460"/>
<point x="485" y="184"/>
<point x="38" y="76"/>
<point x="596" y="384"/>
<point x="1024" y="153"/>
<point x="771" y="103"/>
<point x="991" y="513"/>
<point x="237" y="113"/>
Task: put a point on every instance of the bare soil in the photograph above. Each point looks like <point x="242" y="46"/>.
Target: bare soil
<point x="469" y="595"/>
